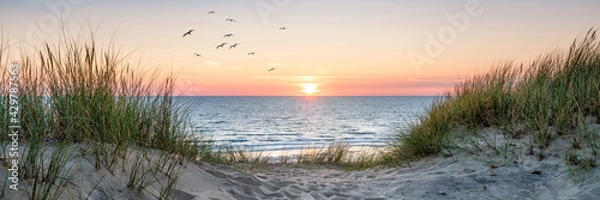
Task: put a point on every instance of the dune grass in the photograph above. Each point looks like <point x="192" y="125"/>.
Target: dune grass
<point x="76" y="91"/>
<point x="341" y="154"/>
<point x="546" y="99"/>
<point x="337" y="154"/>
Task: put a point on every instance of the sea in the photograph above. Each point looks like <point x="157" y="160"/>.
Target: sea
<point x="280" y="124"/>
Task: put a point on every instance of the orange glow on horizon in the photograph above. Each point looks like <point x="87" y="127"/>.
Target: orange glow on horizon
<point x="309" y="88"/>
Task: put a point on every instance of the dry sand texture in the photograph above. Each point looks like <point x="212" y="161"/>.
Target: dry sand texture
<point x="466" y="174"/>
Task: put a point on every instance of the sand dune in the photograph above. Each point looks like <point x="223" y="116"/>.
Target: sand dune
<point x="460" y="177"/>
<point x="481" y="175"/>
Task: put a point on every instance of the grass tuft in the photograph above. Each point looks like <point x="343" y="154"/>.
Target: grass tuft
<point x="76" y="91"/>
<point x="548" y="98"/>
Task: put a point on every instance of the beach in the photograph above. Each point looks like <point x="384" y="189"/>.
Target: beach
<point x="457" y="174"/>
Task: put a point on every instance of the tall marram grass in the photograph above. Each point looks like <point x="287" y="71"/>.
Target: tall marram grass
<point x="549" y="97"/>
<point x="76" y="91"/>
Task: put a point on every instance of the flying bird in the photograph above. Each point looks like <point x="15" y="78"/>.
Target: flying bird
<point x="197" y="55"/>
<point x="251" y="53"/>
<point x="221" y="45"/>
<point x="282" y="28"/>
<point x="228" y="35"/>
<point x="230" y="20"/>
<point x="188" y="33"/>
<point x="233" y="45"/>
<point x="271" y="69"/>
<point x="211" y="12"/>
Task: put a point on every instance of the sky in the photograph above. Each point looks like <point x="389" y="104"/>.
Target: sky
<point x="328" y="48"/>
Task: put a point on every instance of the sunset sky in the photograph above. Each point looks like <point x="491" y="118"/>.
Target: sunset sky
<point x="329" y="48"/>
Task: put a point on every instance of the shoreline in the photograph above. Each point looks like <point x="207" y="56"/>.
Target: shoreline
<point x="292" y="156"/>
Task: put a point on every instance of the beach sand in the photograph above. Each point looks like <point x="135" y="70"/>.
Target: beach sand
<point x="459" y="177"/>
<point x="462" y="175"/>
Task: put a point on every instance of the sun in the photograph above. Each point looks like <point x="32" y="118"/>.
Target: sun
<point x="309" y="88"/>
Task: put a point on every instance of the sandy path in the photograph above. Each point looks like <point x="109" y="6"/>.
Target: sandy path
<point x="438" y="178"/>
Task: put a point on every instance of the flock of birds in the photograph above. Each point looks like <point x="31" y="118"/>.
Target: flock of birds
<point x="222" y="45"/>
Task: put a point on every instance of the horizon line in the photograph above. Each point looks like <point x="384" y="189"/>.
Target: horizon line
<point x="307" y="95"/>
